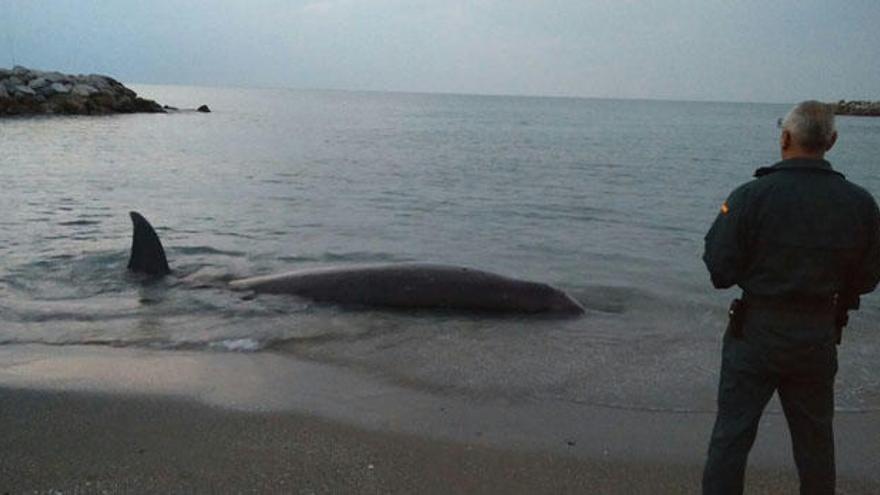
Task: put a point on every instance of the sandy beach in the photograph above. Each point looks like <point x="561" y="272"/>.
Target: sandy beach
<point x="95" y="420"/>
<point x="86" y="443"/>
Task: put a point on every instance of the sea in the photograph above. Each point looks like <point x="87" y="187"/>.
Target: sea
<point x="606" y="199"/>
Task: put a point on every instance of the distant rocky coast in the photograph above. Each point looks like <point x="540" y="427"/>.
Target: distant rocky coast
<point x="25" y="91"/>
<point x="857" y="107"/>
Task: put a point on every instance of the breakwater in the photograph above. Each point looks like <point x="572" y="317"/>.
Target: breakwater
<point x="26" y="91"/>
<point x="858" y="107"/>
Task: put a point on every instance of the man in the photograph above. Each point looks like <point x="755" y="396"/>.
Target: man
<point x="803" y="243"/>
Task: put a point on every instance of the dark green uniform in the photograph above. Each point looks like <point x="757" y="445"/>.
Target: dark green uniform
<point x="799" y="240"/>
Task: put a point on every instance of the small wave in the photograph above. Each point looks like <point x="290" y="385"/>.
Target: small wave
<point x="307" y="225"/>
<point x="297" y="259"/>
<point x="359" y="256"/>
<point x="287" y="199"/>
<point x="237" y="345"/>
<point x="353" y="256"/>
<point x="289" y="174"/>
<point x="196" y="250"/>
<point x="77" y="223"/>
<point x="236" y="235"/>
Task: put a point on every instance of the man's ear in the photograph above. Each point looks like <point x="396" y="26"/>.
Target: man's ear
<point x="832" y="141"/>
<point x="785" y="139"/>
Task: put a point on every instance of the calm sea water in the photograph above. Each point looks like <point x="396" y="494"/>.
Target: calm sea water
<point x="608" y="200"/>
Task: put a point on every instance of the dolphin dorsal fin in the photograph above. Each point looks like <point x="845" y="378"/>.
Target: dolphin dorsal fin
<point x="147" y="255"/>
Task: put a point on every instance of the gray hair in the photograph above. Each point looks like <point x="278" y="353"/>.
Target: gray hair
<point x="811" y="124"/>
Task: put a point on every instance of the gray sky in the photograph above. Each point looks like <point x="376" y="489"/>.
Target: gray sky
<point x="730" y="50"/>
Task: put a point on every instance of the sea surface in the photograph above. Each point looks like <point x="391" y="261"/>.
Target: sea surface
<point x="606" y="199"/>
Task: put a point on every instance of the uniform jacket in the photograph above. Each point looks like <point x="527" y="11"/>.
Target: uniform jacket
<point x="799" y="229"/>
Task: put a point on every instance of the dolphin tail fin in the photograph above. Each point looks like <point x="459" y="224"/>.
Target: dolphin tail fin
<point x="147" y="255"/>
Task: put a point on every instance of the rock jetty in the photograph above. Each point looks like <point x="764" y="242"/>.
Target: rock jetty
<point x="25" y="91"/>
<point x="856" y="107"/>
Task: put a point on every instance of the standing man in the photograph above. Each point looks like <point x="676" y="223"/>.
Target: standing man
<point x="803" y="243"/>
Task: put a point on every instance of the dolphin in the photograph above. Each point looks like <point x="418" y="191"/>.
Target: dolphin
<point x="391" y="285"/>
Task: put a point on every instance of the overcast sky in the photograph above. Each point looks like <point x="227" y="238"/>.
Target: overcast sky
<point x="728" y="50"/>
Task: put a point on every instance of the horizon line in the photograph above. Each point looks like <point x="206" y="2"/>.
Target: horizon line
<point x="461" y="94"/>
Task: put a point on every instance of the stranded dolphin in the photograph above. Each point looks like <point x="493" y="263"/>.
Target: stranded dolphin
<point x="396" y="285"/>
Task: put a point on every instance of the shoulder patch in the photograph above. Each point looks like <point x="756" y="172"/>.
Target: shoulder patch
<point x="724" y="208"/>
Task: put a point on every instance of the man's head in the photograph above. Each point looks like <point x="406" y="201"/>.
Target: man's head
<point x="808" y="131"/>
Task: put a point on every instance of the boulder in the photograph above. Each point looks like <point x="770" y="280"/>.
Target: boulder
<point x="54" y="76"/>
<point x="104" y="101"/>
<point x="84" y="90"/>
<point x="12" y="82"/>
<point x="144" y="105"/>
<point x="46" y="91"/>
<point x="38" y="82"/>
<point x="21" y="89"/>
<point x="71" y="105"/>
<point x="60" y="88"/>
<point x="97" y="81"/>
<point x="124" y="104"/>
<point x="20" y="106"/>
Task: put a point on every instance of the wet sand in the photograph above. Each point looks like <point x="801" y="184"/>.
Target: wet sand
<point x="81" y="426"/>
<point x="83" y="443"/>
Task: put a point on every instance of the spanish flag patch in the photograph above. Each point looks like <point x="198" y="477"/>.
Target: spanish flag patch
<point x="724" y="208"/>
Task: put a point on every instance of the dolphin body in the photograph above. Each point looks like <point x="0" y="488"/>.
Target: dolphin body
<point x="393" y="285"/>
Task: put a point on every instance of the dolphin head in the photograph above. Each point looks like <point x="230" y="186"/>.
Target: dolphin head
<point x="537" y="297"/>
<point x="559" y="302"/>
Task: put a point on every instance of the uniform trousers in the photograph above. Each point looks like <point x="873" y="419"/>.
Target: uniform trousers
<point x="792" y="353"/>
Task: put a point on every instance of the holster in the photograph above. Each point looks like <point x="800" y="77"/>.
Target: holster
<point x="735" y="316"/>
<point x="842" y="306"/>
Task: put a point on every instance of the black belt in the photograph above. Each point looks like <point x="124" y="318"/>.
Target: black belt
<point x="816" y="304"/>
